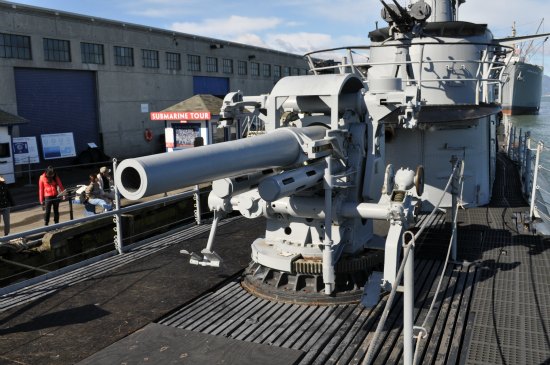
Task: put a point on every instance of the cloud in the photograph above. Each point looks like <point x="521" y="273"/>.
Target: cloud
<point x="255" y="31"/>
<point x="250" y="39"/>
<point x="349" y="40"/>
<point x="159" y="8"/>
<point x="157" y="12"/>
<point x="304" y="42"/>
<point x="300" y="43"/>
<point x="233" y="26"/>
<point x="342" y="11"/>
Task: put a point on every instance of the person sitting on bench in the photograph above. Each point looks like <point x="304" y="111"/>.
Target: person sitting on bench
<point x="94" y="195"/>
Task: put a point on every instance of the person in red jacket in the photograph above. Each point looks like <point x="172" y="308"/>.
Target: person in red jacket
<point x="49" y="186"/>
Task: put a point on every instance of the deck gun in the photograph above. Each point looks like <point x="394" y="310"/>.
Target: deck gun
<point x="317" y="175"/>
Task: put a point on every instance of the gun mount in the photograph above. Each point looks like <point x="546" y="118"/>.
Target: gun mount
<point x="318" y="178"/>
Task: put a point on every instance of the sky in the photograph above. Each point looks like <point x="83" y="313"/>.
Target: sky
<point x="296" y="26"/>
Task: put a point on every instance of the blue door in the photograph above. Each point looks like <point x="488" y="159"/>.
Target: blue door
<point x="58" y="101"/>
<point x="217" y="86"/>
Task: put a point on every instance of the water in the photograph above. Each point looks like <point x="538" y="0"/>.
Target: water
<point x="538" y="125"/>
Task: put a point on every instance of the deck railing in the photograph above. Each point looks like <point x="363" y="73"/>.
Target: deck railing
<point x="120" y="236"/>
<point x="489" y="70"/>
<point x="533" y="170"/>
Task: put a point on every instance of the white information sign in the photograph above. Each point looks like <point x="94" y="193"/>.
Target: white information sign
<point x="25" y="150"/>
<point x="59" y="145"/>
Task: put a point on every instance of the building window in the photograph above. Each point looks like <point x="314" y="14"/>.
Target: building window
<point x="254" y="69"/>
<point x="15" y="46"/>
<point x="193" y="63"/>
<point x="267" y="70"/>
<point x="241" y="67"/>
<point x="124" y="56"/>
<point x="227" y="66"/>
<point x="277" y="72"/>
<point x="211" y="64"/>
<point x="92" y="53"/>
<point x="173" y="61"/>
<point x="295" y="71"/>
<point x="150" y="58"/>
<point x="57" y="50"/>
<point x="286" y="71"/>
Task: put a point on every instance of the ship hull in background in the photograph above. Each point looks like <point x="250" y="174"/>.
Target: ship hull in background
<point x="522" y="92"/>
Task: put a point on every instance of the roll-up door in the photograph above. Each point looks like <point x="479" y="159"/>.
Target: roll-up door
<point x="58" y="101"/>
<point x="217" y="86"/>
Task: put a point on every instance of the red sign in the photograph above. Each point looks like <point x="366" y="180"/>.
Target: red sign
<point x="180" y="115"/>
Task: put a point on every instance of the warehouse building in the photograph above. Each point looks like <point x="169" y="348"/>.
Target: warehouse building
<point x="99" y="79"/>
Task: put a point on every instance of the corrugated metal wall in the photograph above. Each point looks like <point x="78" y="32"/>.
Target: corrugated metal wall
<point x="58" y="101"/>
<point x="217" y="86"/>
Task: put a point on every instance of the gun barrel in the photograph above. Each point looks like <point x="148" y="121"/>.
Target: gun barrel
<point x="139" y="177"/>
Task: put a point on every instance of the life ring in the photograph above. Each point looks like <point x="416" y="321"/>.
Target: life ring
<point x="148" y="135"/>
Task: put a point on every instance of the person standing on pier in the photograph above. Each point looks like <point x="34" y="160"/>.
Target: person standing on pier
<point x="49" y="187"/>
<point x="6" y="202"/>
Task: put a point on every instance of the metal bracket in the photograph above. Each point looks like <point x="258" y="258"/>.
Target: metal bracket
<point x="209" y="258"/>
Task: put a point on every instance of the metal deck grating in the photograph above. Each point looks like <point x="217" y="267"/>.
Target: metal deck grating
<point x="511" y="301"/>
<point x="330" y="334"/>
<point x="494" y="311"/>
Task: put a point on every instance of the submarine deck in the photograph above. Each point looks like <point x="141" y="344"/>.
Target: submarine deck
<point x="149" y="306"/>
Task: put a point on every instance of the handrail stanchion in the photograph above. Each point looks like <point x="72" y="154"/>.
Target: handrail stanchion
<point x="408" y="303"/>
<point x="513" y="148"/>
<point x="540" y="147"/>
<point x="510" y="141"/>
<point x="527" y="165"/>
<point x="117" y="216"/>
<point x="520" y="149"/>
<point x="328" y="250"/>
<point x="197" y="198"/>
<point x="525" y="143"/>
<point x="515" y="145"/>
<point x="527" y="175"/>
<point x="374" y="341"/>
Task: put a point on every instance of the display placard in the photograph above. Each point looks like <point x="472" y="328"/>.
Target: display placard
<point x="25" y="150"/>
<point x="59" y="145"/>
